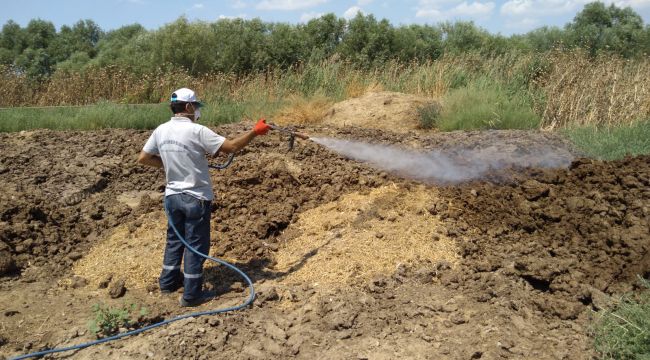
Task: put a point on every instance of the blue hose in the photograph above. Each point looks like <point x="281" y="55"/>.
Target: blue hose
<point x="249" y="301"/>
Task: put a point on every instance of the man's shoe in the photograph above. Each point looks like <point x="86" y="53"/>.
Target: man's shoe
<point x="170" y="291"/>
<point x="202" y="299"/>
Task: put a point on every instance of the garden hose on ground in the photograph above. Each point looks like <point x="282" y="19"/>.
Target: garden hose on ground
<point x="249" y="301"/>
<point x="224" y="165"/>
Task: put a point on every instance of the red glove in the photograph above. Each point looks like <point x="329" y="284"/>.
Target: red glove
<point x="261" y="128"/>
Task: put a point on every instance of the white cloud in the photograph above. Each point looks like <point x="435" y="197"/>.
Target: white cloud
<point x="634" y="4"/>
<point x="197" y="6"/>
<point x="535" y="8"/>
<point x="516" y="7"/>
<point x="238" y="4"/>
<point x="310" y="15"/>
<point x="288" y="4"/>
<point x="445" y="9"/>
<point x="525" y="24"/>
<point x="352" y="12"/>
<point x="429" y="13"/>
<point x="475" y="9"/>
<point x="240" y="16"/>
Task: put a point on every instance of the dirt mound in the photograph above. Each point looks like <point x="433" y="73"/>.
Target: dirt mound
<point x="537" y="253"/>
<point x="385" y="110"/>
<point x="54" y="208"/>
<point x="572" y="234"/>
<point x="59" y="193"/>
<point x="363" y="236"/>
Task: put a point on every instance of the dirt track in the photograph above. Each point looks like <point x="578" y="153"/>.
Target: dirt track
<point x="537" y="251"/>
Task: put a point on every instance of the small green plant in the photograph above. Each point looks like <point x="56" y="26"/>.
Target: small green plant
<point x="429" y="115"/>
<point x="108" y="320"/>
<point x="624" y="331"/>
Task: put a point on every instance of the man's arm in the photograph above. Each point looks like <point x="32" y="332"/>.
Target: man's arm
<point x="232" y="146"/>
<point x="150" y="159"/>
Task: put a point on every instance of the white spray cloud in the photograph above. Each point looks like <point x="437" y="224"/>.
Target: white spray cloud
<point x="452" y="166"/>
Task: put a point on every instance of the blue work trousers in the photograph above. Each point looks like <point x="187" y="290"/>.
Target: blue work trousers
<point x="191" y="217"/>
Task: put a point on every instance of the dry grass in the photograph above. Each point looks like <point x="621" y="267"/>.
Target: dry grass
<point x="606" y="91"/>
<point x="303" y="111"/>
<point x="357" y="87"/>
<point x="361" y="236"/>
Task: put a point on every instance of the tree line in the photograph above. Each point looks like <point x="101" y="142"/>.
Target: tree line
<point x="243" y="46"/>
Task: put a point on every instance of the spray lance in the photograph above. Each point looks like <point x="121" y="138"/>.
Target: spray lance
<point x="285" y="130"/>
<point x="292" y="134"/>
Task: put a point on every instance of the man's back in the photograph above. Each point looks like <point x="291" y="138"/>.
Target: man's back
<point x="182" y="145"/>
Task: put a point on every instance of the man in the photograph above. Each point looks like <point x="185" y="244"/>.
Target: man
<point x="180" y="146"/>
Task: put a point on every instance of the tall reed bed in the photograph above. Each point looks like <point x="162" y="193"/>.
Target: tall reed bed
<point x="563" y="89"/>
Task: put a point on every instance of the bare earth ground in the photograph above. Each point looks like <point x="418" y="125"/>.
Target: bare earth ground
<point x="349" y="262"/>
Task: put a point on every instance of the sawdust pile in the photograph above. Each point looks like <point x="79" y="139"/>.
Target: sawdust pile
<point x="343" y="242"/>
<point x="133" y="253"/>
<point x="360" y="236"/>
<point x="378" y="110"/>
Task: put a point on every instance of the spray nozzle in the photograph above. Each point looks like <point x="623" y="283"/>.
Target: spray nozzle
<point x="292" y="134"/>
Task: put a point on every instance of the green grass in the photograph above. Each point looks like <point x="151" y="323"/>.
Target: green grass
<point x="613" y="143"/>
<point x="624" y="331"/>
<point x="484" y="104"/>
<point x="110" y="115"/>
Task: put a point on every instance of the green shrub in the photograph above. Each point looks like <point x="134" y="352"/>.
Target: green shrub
<point x="108" y="320"/>
<point x="485" y="104"/>
<point x="624" y="331"/>
<point x="429" y="115"/>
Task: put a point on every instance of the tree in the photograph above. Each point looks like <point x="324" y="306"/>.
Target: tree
<point x="75" y="62"/>
<point x="285" y="46"/>
<point x="192" y="46"/>
<point x="240" y="45"/>
<point x="35" y="63"/>
<point x="39" y="34"/>
<point x="546" y="38"/>
<point x="12" y="38"/>
<point x="417" y="42"/>
<point x="599" y="28"/>
<point x="126" y="46"/>
<point x="82" y="37"/>
<point x="367" y="41"/>
<point x="323" y="35"/>
<point x="462" y="36"/>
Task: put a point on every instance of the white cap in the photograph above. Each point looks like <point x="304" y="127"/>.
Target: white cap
<point x="185" y="95"/>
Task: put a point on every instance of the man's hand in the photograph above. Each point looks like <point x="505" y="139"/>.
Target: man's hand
<point x="261" y="128"/>
<point x="150" y="160"/>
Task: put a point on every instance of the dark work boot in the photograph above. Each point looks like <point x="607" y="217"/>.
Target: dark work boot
<point x="203" y="298"/>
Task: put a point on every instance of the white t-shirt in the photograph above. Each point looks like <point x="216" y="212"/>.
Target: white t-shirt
<point x="182" y="145"/>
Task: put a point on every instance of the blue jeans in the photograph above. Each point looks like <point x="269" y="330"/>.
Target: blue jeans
<point x="191" y="217"/>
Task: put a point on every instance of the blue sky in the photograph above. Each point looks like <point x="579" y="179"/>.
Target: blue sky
<point x="497" y="16"/>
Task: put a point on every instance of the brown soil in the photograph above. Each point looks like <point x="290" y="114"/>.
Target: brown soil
<point x="348" y="261"/>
